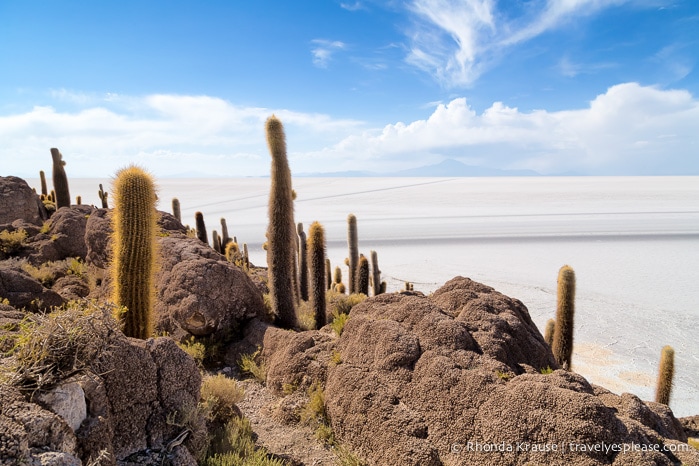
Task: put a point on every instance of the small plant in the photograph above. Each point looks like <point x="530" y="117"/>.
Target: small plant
<point x="345" y="457"/>
<point x="335" y="358"/>
<point x="338" y="323"/>
<point x="248" y="365"/>
<point x="289" y="388"/>
<point x="76" y="267"/>
<point x="503" y="375"/>
<point x="237" y="448"/>
<point x="546" y="370"/>
<point x="339" y="303"/>
<point x="306" y="316"/>
<point x="315" y="415"/>
<point x="693" y="442"/>
<point x="195" y="350"/>
<point x="220" y="395"/>
<point x="11" y="241"/>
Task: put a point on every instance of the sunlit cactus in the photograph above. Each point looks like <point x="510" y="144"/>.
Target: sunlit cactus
<point x="134" y="221"/>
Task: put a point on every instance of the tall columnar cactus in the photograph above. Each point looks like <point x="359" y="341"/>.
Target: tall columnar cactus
<point x="337" y="276"/>
<point x="201" y="227"/>
<point x="134" y="222"/>
<point x="225" y="239"/>
<point x="328" y="274"/>
<point x="363" y="275"/>
<point x="60" y="180"/>
<point x="316" y="264"/>
<point x="353" y="245"/>
<point x="303" y="263"/>
<point x="103" y="195"/>
<point x="375" y="273"/>
<point x="281" y="234"/>
<point x="44" y="189"/>
<point x="246" y="257"/>
<point x="176" y="211"/>
<point x="562" y="346"/>
<point x="548" y="332"/>
<point x="665" y="374"/>
<point x="78" y="200"/>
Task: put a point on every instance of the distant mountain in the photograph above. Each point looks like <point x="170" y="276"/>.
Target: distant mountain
<point x="447" y="167"/>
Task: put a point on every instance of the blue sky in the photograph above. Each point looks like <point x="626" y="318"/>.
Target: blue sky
<point x="598" y="87"/>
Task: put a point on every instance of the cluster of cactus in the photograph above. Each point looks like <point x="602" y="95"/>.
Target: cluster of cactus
<point x="60" y="180"/>
<point x="281" y="232"/>
<point x="134" y="222"/>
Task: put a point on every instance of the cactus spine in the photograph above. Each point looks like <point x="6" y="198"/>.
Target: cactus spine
<point x="665" y="374"/>
<point x="44" y="189"/>
<point x="362" y="285"/>
<point x="134" y="221"/>
<point x="548" y="333"/>
<point x="201" y="227"/>
<point x="562" y="346"/>
<point x="176" y="209"/>
<point x="303" y="263"/>
<point x="375" y="274"/>
<point x="60" y="180"/>
<point x="316" y="264"/>
<point x="103" y="195"/>
<point x="353" y="245"/>
<point x="281" y="237"/>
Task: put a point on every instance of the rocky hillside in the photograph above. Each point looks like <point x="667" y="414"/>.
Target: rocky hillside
<point x="460" y="377"/>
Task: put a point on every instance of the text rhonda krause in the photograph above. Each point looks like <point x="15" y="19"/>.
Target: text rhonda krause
<point x="603" y="447"/>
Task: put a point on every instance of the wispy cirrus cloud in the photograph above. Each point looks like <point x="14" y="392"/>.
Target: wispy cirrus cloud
<point x="457" y="41"/>
<point x="323" y="51"/>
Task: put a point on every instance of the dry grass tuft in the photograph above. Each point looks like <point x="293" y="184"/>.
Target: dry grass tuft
<point x="248" y="365"/>
<point x="220" y="395"/>
<point x="52" y="347"/>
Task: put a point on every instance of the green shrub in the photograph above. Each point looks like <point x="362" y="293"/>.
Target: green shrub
<point x="249" y="366"/>
<point x="219" y="395"/>
<point x="195" y="350"/>
<point x="12" y="241"/>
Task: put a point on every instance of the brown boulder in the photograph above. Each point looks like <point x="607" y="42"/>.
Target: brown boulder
<point x="65" y="236"/>
<point x="19" y="201"/>
<point x="98" y="232"/>
<point x="200" y="293"/>
<point x="23" y="291"/>
<point x="455" y="379"/>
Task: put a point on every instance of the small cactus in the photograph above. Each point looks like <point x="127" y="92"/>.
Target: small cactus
<point x="44" y="189"/>
<point x="60" y="180"/>
<point x="176" y="212"/>
<point x="666" y="372"/>
<point x="135" y="227"/>
<point x="562" y="346"/>
<point x="246" y="256"/>
<point x="316" y="264"/>
<point x="103" y="195"/>
<point x="303" y="263"/>
<point x="548" y="332"/>
<point x="328" y="274"/>
<point x="216" y="242"/>
<point x="353" y="246"/>
<point x="337" y="276"/>
<point x="225" y="239"/>
<point x="201" y="227"/>
<point x="78" y="200"/>
<point x="375" y="274"/>
<point x="363" y="275"/>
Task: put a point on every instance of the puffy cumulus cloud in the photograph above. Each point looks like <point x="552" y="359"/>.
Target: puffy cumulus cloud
<point x="630" y="129"/>
<point x="169" y="134"/>
<point x="457" y="40"/>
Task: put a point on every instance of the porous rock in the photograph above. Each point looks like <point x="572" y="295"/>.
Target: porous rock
<point x="65" y="236"/>
<point x="23" y="291"/>
<point x="455" y="379"/>
<point x="19" y="201"/>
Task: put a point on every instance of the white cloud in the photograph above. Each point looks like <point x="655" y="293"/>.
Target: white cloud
<point x="323" y="51"/>
<point x="456" y="41"/>
<point x="629" y="129"/>
<point x="170" y="133"/>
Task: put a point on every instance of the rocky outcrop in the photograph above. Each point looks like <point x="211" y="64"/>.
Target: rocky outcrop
<point x="200" y="293"/>
<point x="65" y="236"/>
<point x="19" y="202"/>
<point x="23" y="291"/>
<point x="133" y="401"/>
<point x="464" y="377"/>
